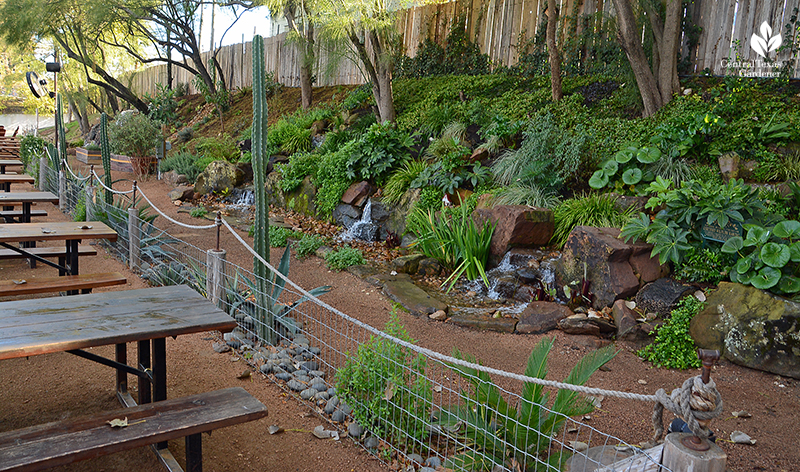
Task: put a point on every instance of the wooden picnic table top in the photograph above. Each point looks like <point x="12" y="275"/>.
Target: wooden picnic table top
<point x="47" y="325"/>
<point x="27" y="197"/>
<point x="10" y="162"/>
<point x="16" y="178"/>
<point x="56" y="231"/>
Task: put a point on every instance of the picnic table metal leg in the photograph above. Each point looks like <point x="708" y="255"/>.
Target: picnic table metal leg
<point x="194" y="453"/>
<point x="26" y="218"/>
<point x="145" y="385"/>
<point x="122" y="377"/>
<point x="160" y="374"/>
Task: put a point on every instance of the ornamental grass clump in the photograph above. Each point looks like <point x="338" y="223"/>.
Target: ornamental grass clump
<point x="455" y="240"/>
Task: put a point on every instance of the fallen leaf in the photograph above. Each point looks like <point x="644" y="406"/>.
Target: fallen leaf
<point x="275" y="429"/>
<point x="85" y="227"/>
<point x="741" y="414"/>
<point x="122" y="423"/>
<point x="642" y="382"/>
<point x="739" y="437"/>
<point x="244" y="375"/>
<point x="630" y="304"/>
<point x="388" y="394"/>
<point x="437" y="388"/>
<point x="20" y="282"/>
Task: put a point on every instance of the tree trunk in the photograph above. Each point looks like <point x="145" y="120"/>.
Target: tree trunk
<point x="629" y="35"/>
<point x="552" y="50"/>
<point x="379" y="70"/>
<point x="668" y="67"/>
<point x="307" y="67"/>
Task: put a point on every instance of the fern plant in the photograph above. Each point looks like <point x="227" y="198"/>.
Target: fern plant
<point x="497" y="433"/>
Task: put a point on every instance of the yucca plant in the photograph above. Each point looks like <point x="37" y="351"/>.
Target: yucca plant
<point x="599" y="210"/>
<point x="499" y="434"/>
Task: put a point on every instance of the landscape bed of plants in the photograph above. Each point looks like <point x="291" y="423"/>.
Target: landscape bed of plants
<point x="463" y="141"/>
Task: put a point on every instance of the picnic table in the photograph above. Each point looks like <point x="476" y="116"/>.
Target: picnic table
<point x="69" y="231"/>
<point x="8" y="162"/>
<point x="7" y="179"/>
<point x="145" y="316"/>
<point x="7" y="199"/>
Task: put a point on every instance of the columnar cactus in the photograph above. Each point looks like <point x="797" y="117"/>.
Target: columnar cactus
<point x="105" y="155"/>
<point x="260" y="159"/>
<point x="60" y="132"/>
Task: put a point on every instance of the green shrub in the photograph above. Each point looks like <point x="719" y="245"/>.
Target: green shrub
<point x="399" y="180"/>
<point x="704" y="266"/>
<point x="217" y="149"/>
<point x="673" y="347"/>
<point x="299" y="166"/>
<point x="31" y="148"/>
<point x="308" y="245"/>
<point x="182" y="162"/>
<point x="377" y="151"/>
<point x="79" y="212"/>
<point x="278" y="235"/>
<point x="135" y="135"/>
<point x="344" y="258"/>
<point x="385" y="385"/>
<point x="332" y="179"/>
<point x="599" y="210"/>
<point x="198" y="212"/>
<point x="163" y="106"/>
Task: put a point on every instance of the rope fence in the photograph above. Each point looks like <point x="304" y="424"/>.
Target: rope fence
<point x="411" y="399"/>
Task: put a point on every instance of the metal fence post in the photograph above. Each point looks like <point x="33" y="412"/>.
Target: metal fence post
<point x="90" y="203"/>
<point x="43" y="174"/>
<point x="62" y="191"/>
<point x="215" y="276"/>
<point x="134" y="247"/>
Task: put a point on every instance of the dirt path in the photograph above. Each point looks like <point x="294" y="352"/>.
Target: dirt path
<point x="73" y="385"/>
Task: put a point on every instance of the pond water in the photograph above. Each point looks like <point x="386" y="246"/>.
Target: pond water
<point x="26" y="123"/>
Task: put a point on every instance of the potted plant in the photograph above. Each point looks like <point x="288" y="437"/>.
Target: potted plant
<point x="136" y="136"/>
<point x="89" y="153"/>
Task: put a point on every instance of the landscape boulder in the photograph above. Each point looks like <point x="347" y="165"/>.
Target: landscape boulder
<point x="516" y="226"/>
<point x="174" y="178"/>
<point x="357" y="194"/>
<point x="182" y="193"/>
<point x="752" y="328"/>
<point x="661" y="297"/>
<point x="615" y="269"/>
<point x="219" y="176"/>
<point x="541" y="317"/>
<point x="407" y="264"/>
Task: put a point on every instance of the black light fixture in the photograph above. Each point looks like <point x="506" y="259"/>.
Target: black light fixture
<point x="53" y="67"/>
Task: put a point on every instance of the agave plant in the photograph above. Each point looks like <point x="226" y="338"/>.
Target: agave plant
<point x="497" y="433"/>
<point x="280" y="313"/>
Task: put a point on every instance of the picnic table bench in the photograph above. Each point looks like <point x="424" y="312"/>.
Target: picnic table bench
<point x="144" y="316"/>
<point x="7" y="179"/>
<point x="64" y="442"/>
<point x="9" y="162"/>
<point x="9" y="199"/>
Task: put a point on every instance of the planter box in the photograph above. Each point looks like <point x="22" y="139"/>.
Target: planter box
<point x="88" y="156"/>
<point x="121" y="163"/>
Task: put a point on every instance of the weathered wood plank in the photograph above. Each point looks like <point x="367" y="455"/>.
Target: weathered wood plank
<point x="82" y="321"/>
<point x="647" y="462"/>
<point x="10" y="288"/>
<point x="55" y="231"/>
<point x="59" y="443"/>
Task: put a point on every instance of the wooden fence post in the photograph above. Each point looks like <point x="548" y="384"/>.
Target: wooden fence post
<point x="134" y="236"/>
<point x="215" y="276"/>
<point x="90" y="203"/>
<point x="43" y="174"/>
<point x="62" y="191"/>
<point x="677" y="456"/>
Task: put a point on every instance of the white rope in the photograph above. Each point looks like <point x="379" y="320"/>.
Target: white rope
<point x="100" y="181"/>
<point x="213" y="225"/>
<point x="82" y="179"/>
<point x="442" y="357"/>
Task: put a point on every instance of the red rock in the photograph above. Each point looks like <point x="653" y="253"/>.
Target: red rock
<point x="358" y="193"/>
<point x="516" y="226"/>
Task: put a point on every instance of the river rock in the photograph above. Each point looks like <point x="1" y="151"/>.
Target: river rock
<point x="330" y="407"/>
<point x="614" y="269"/>
<point x="218" y="176"/>
<point x="752" y="328"/>
<point x="174" y="178"/>
<point x="338" y="416"/>
<point x="429" y="266"/>
<point x="296" y="385"/>
<point x="308" y="393"/>
<point x="407" y="264"/>
<point x="661" y="296"/>
<point x="541" y="317"/>
<point x="516" y="226"/>
<point x="355" y="430"/>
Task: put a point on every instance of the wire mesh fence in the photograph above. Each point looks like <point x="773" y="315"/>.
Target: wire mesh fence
<point x="411" y="404"/>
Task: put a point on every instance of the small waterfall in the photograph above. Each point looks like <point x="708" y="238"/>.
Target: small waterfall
<point x="363" y="229"/>
<point x="246" y="199"/>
